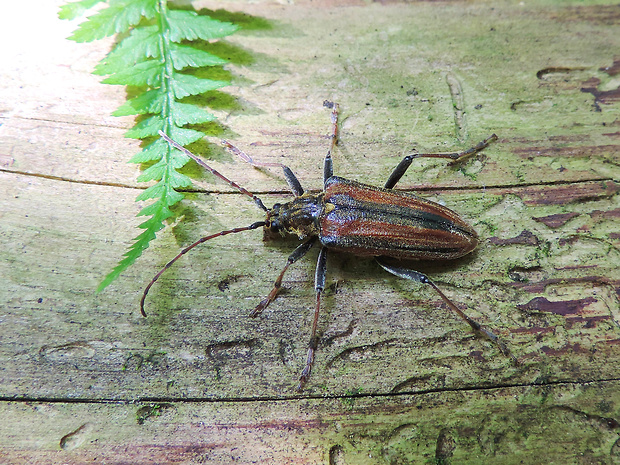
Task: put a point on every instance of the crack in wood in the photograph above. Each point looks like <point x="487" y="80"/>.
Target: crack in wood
<point x="360" y="351"/>
<point x="458" y="106"/>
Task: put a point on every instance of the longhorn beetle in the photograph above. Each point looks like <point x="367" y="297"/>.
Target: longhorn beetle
<point x="348" y="216"/>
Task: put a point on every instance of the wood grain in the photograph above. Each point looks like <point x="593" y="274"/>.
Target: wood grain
<point x="398" y="379"/>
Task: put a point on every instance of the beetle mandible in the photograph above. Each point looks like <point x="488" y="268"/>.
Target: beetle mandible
<point x="348" y="216"/>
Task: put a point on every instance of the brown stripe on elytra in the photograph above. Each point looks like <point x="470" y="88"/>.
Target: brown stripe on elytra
<point x="376" y="201"/>
<point x="345" y="206"/>
<point x="366" y="237"/>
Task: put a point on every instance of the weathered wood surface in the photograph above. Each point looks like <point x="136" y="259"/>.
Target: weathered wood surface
<point x="398" y="379"/>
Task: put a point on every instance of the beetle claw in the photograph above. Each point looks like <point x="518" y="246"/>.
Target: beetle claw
<point x="259" y="308"/>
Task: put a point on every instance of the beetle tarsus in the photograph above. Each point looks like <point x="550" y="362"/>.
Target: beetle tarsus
<point x="458" y="156"/>
<point x="305" y="373"/>
<point x="259" y="308"/>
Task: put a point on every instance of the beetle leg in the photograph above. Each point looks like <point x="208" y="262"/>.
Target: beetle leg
<point x="299" y="252"/>
<point x="319" y="286"/>
<point x="422" y="278"/>
<point x="290" y="177"/>
<point x="403" y="166"/>
<point x="328" y="166"/>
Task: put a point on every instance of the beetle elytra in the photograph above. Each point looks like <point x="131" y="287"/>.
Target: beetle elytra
<point x="348" y="216"/>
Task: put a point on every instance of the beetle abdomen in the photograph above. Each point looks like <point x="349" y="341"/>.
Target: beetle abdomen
<point x="367" y="220"/>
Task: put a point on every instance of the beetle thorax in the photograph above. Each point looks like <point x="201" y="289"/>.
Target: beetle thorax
<point x="299" y="216"/>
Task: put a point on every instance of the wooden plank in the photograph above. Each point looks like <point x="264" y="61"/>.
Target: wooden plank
<point x="397" y="379"/>
<point x="510" y="425"/>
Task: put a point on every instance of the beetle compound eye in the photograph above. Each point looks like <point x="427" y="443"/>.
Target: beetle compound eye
<point x="275" y="225"/>
<point x="273" y="218"/>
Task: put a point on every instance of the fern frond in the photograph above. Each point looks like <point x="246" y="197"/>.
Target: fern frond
<point x="152" y="58"/>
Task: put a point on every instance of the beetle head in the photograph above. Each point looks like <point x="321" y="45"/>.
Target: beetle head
<point x="300" y="216"/>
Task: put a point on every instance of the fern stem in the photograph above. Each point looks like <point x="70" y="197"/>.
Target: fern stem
<point x="168" y="71"/>
<point x="167" y="76"/>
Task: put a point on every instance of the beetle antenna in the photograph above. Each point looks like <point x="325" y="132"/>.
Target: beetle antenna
<point x="178" y="146"/>
<point x="256" y="225"/>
